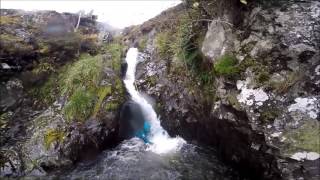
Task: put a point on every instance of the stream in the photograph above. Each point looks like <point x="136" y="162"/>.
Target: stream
<point x="165" y="158"/>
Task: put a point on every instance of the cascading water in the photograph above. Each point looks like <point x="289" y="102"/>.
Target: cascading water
<point x="167" y="158"/>
<point x="161" y="142"/>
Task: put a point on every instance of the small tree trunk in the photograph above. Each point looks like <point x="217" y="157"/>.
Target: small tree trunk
<point x="76" y="28"/>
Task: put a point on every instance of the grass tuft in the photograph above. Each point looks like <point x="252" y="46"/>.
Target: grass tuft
<point x="85" y="73"/>
<point x="53" y="135"/>
<point x="226" y="65"/>
<point x="80" y="105"/>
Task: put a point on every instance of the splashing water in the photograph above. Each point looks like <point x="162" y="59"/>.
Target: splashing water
<point x="161" y="142"/>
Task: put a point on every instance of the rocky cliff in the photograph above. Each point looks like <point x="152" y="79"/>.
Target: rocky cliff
<point x="60" y="91"/>
<point x="240" y="76"/>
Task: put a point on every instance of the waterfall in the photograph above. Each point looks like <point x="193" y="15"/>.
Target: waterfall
<point x="161" y="141"/>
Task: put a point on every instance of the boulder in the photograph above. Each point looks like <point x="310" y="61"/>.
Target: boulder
<point x="264" y="119"/>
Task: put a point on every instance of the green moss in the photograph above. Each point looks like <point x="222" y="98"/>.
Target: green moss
<point x="232" y="99"/>
<point x="152" y="80"/>
<point x="44" y="48"/>
<point x="80" y="105"/>
<point x="118" y="86"/>
<point x="226" y="65"/>
<point x="306" y="137"/>
<point x="53" y="135"/>
<point x="119" y="91"/>
<point x="268" y="115"/>
<point x="111" y="106"/>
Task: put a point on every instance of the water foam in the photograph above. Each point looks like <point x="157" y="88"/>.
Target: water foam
<point x="161" y="141"/>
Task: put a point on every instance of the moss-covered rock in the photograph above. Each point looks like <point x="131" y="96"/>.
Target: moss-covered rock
<point x="81" y="92"/>
<point x="53" y="135"/>
<point x="304" y="138"/>
<point x="30" y="39"/>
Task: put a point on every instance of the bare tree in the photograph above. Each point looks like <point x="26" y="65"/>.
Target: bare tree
<point x="79" y="18"/>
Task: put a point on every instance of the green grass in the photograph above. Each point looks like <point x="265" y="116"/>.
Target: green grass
<point x="102" y="93"/>
<point x="80" y="105"/>
<point x="81" y="81"/>
<point x="111" y="106"/>
<point x="262" y="77"/>
<point x="164" y="44"/>
<point x="84" y="73"/>
<point x="142" y="43"/>
<point x="115" y="50"/>
<point x="226" y="65"/>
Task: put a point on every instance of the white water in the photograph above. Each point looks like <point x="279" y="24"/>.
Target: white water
<point x="161" y="142"/>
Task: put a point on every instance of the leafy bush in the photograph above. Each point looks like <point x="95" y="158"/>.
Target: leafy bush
<point x="226" y="65"/>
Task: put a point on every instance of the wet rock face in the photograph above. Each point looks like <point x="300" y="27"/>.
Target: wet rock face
<point x="131" y="119"/>
<point x="38" y="136"/>
<point x="11" y="93"/>
<point x="53" y="143"/>
<point x="264" y="120"/>
<point x="282" y="102"/>
<point x="219" y="40"/>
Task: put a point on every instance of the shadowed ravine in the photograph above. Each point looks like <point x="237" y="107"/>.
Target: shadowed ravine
<point x="165" y="158"/>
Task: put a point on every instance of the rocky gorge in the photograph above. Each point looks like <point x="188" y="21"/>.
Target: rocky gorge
<point x="242" y="77"/>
